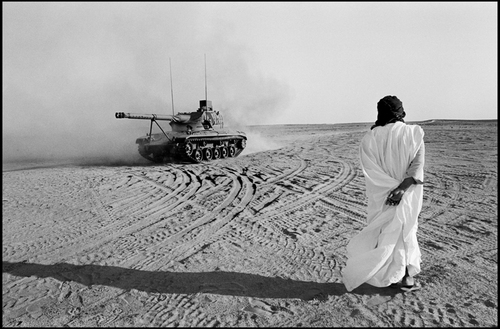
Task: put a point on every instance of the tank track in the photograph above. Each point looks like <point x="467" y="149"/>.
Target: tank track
<point x="198" y="149"/>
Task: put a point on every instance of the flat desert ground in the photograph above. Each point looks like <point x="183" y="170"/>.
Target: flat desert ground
<point x="253" y="241"/>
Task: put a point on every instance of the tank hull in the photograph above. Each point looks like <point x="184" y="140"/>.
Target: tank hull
<point x="198" y="146"/>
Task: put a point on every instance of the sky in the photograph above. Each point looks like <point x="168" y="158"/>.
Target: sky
<point x="68" y="67"/>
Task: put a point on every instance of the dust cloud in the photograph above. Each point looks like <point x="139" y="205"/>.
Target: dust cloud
<point x="68" y="67"/>
<point x="258" y="142"/>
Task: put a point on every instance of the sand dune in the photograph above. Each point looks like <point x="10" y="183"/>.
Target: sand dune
<point x="257" y="240"/>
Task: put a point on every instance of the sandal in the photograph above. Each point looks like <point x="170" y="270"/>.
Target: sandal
<point x="413" y="287"/>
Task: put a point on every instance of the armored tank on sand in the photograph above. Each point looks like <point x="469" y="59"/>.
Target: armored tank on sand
<point x="195" y="136"/>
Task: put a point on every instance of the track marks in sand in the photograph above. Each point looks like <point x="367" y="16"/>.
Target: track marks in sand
<point x="34" y="236"/>
<point x="457" y="201"/>
<point x="154" y="224"/>
<point x="166" y="310"/>
<point x="193" y="237"/>
<point x="152" y="218"/>
<point x="280" y="223"/>
<point x="134" y="213"/>
<point x="281" y="215"/>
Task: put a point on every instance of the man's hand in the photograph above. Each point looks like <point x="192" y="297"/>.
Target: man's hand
<point x="394" y="198"/>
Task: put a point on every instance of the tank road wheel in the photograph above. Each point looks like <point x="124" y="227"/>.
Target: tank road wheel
<point x="207" y="154"/>
<point x="197" y="155"/>
<point x="223" y="152"/>
<point x="188" y="148"/>
<point x="231" y="151"/>
<point x="216" y="153"/>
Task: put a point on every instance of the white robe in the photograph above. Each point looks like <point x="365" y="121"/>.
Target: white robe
<point x="380" y="253"/>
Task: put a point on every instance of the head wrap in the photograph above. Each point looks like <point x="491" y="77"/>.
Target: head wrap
<point x="390" y="109"/>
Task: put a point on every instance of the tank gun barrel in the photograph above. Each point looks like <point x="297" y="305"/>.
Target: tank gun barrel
<point x="140" y="116"/>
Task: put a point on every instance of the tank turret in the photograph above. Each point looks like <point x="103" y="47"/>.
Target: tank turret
<point x="197" y="136"/>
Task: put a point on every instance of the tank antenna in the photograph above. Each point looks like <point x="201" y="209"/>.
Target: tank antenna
<point x="206" y="77"/>
<point x="171" y="86"/>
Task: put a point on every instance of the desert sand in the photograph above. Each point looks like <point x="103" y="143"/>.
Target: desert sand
<point x="254" y="241"/>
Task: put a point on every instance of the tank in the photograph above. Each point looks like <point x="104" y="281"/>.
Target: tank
<point x="195" y="136"/>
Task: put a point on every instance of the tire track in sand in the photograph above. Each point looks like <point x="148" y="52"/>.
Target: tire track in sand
<point x="117" y="226"/>
<point x="193" y="237"/>
<point x="273" y="225"/>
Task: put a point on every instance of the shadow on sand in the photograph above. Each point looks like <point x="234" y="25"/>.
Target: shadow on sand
<point x="218" y="282"/>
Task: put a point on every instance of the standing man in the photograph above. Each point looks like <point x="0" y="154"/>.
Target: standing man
<point x="386" y="251"/>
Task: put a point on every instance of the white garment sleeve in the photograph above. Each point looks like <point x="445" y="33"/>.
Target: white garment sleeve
<point x="416" y="164"/>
